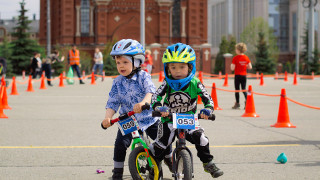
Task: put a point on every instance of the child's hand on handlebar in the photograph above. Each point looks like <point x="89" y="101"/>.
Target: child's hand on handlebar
<point x="137" y="108"/>
<point x="205" y="113"/>
<point x="164" y="110"/>
<point x="106" y="122"/>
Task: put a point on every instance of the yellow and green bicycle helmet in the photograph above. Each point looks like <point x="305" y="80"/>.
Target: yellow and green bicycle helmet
<point x="179" y="53"/>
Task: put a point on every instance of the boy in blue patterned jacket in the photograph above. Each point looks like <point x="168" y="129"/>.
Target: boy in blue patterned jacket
<point x="130" y="90"/>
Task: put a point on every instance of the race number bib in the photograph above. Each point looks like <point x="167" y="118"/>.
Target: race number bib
<point x="184" y="121"/>
<point x="128" y="125"/>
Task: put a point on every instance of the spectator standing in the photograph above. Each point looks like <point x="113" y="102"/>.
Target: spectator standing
<point x="98" y="62"/>
<point x="240" y="64"/>
<point x="74" y="61"/>
<point x="46" y="66"/>
<point x="149" y="61"/>
<point x="3" y="66"/>
<point x="36" y="65"/>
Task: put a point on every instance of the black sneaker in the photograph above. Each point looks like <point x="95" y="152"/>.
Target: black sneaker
<point x="81" y="82"/>
<point x="211" y="168"/>
<point x="117" y="173"/>
<point x="168" y="162"/>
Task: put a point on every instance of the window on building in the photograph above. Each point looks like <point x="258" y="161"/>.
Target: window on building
<point x="294" y="31"/>
<point x="278" y="21"/>
<point x="85" y="17"/>
<point x="176" y="18"/>
<point x="1" y="33"/>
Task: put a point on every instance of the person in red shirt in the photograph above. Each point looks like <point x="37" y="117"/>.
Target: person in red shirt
<point x="148" y="61"/>
<point x="240" y="64"/>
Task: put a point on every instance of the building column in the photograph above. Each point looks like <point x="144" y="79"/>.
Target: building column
<point x="164" y="20"/>
<point x="78" y="21"/>
<point x="91" y="33"/>
<point x="156" y="56"/>
<point x="206" y="57"/>
<point x="183" y="25"/>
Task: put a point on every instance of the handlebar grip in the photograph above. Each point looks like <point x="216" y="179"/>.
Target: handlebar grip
<point x="156" y="114"/>
<point x="146" y="106"/>
<point x="212" y="117"/>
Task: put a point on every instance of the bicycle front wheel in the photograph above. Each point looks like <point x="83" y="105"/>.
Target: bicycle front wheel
<point x="139" y="167"/>
<point x="183" y="166"/>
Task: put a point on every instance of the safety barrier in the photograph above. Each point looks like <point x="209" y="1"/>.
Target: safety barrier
<point x="202" y="75"/>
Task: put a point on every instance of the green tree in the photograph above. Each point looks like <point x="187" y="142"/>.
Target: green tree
<point x="110" y="66"/>
<point x="313" y="65"/>
<point x="5" y="52"/>
<point x="250" y="37"/>
<point x="220" y="61"/>
<point x="232" y="45"/>
<point x="23" y="47"/>
<point x="264" y="63"/>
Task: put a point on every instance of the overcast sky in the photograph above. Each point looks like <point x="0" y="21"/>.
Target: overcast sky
<point x="10" y="8"/>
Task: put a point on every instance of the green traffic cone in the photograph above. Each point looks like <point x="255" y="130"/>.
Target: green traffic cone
<point x="282" y="158"/>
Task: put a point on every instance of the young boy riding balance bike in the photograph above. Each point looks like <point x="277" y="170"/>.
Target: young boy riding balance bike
<point x="180" y="91"/>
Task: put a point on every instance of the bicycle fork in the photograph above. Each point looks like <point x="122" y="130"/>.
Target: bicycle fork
<point x="180" y="145"/>
<point x="137" y="140"/>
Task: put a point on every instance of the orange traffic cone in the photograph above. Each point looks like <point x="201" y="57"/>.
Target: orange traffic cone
<point x="295" y="82"/>
<point x="250" y="108"/>
<point x="14" y="87"/>
<point x="285" y="76"/>
<point x="84" y="74"/>
<point x="220" y="76"/>
<point x="93" y="78"/>
<point x="2" y="115"/>
<point x="160" y="76"/>
<point x="61" y="81"/>
<point x="214" y="97"/>
<point x="312" y="75"/>
<point x="257" y="75"/>
<point x="30" y="87"/>
<point x="42" y="85"/>
<point x="23" y="75"/>
<point x="261" y="80"/>
<point x="199" y="101"/>
<point x="201" y="77"/>
<point x="276" y="76"/>
<point x="226" y="81"/>
<point x="283" y="114"/>
<point x="4" y="99"/>
<point x="3" y="82"/>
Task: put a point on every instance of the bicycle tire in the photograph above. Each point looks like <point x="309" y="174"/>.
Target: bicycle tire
<point x="139" y="168"/>
<point x="183" y="165"/>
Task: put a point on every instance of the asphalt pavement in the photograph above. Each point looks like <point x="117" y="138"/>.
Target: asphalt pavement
<point x="55" y="133"/>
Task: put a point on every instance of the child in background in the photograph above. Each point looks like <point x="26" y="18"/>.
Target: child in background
<point x="130" y="91"/>
<point x="240" y="64"/>
<point x="181" y="90"/>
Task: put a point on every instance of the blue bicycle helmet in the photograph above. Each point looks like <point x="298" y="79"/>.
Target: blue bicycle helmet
<point x="179" y="53"/>
<point x="131" y="48"/>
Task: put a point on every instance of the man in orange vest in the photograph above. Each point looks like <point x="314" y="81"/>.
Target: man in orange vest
<point x="74" y="61"/>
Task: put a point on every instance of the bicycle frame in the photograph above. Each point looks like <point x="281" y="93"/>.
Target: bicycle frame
<point x="137" y="140"/>
<point x="180" y="144"/>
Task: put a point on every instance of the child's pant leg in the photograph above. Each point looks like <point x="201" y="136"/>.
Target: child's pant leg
<point x="151" y="131"/>
<point x="198" y="138"/>
<point x="162" y="146"/>
<point x="120" y="146"/>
